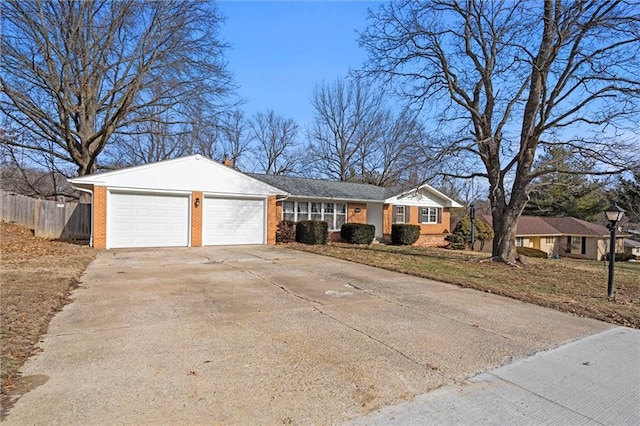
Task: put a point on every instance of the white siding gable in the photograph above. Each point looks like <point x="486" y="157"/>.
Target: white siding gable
<point x="192" y="173"/>
<point x="425" y="196"/>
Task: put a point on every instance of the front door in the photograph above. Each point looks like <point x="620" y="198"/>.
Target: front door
<point x="374" y="217"/>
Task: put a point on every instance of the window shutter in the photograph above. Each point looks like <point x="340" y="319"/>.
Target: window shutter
<point x="439" y="214"/>
<point x="407" y="214"/>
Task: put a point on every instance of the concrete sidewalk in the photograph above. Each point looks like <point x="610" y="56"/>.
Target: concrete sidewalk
<point x="592" y="381"/>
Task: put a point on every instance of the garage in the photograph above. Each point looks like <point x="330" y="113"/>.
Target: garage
<point x="231" y="221"/>
<point x="183" y="202"/>
<point x="148" y="220"/>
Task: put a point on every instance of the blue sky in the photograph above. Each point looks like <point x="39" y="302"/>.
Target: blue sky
<point x="280" y="50"/>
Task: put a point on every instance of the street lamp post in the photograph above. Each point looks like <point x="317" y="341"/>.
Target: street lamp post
<point x="614" y="214"/>
<point x="472" y="217"/>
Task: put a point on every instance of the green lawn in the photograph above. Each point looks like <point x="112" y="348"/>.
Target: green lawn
<point x="575" y="286"/>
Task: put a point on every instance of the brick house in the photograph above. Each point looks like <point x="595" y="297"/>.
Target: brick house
<point x="194" y="201"/>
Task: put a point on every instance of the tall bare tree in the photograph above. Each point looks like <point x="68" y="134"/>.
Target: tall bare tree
<point x="276" y="144"/>
<point x="235" y="138"/>
<point x="74" y="73"/>
<point x="507" y="78"/>
<point x="390" y="154"/>
<point x="345" y="116"/>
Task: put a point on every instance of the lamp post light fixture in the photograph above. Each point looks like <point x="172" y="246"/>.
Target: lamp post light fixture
<point x="614" y="214"/>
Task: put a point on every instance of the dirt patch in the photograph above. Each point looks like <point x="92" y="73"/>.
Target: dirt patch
<point x="37" y="277"/>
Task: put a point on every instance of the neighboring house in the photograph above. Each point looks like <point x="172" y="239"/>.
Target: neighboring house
<point x="563" y="236"/>
<point x="632" y="247"/>
<point x="194" y="201"/>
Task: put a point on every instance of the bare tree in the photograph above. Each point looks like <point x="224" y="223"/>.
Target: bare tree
<point x="343" y="128"/>
<point x="32" y="173"/>
<point x="507" y="78"/>
<point x="391" y="153"/>
<point x="236" y="137"/>
<point x="356" y="137"/>
<point x="74" y="73"/>
<point x="275" y="136"/>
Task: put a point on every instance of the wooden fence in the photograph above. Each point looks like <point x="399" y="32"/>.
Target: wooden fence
<point x="48" y="219"/>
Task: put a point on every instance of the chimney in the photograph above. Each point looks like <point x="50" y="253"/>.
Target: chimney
<point x="227" y="162"/>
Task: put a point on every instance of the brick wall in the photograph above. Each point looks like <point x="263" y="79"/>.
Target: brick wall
<point x="196" y="219"/>
<point x="100" y="217"/>
<point x="273" y="217"/>
<point x="431" y="234"/>
<point x="354" y="216"/>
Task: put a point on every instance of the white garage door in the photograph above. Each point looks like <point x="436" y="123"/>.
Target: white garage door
<point x="233" y="221"/>
<point x="148" y="220"/>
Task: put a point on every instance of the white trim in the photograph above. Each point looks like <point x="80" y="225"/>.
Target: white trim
<point x="400" y="198"/>
<point x="428" y="222"/>
<point x="330" y="199"/>
<point x="148" y="191"/>
<point x="235" y="196"/>
<point x="101" y="179"/>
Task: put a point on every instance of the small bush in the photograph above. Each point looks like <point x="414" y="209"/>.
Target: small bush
<point x="531" y="252"/>
<point x="358" y="233"/>
<point x="403" y="234"/>
<point x="286" y="231"/>
<point x="312" y="232"/>
<point x="620" y="257"/>
<point x="456" y="241"/>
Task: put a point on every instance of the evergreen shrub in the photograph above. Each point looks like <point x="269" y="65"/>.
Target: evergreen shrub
<point x="312" y="232"/>
<point x="358" y="233"/>
<point x="404" y="234"/>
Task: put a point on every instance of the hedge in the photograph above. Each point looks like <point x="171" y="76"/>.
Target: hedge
<point x="358" y="233"/>
<point x="620" y="257"/>
<point x="312" y="232"/>
<point x="404" y="234"/>
<point x="531" y="252"/>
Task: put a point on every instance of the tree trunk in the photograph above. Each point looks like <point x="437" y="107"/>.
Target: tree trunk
<point x="504" y="241"/>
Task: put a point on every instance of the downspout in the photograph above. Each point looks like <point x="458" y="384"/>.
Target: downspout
<point x="88" y="191"/>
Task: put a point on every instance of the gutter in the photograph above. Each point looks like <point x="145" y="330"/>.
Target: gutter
<point x="88" y="191"/>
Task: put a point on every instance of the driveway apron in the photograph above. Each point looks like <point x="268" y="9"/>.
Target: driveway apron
<point x="266" y="335"/>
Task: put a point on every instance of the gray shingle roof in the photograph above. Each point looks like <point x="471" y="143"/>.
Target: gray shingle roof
<point x="316" y="188"/>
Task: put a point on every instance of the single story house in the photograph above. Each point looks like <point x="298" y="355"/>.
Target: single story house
<point x="563" y="236"/>
<point x="194" y="201"/>
<point x="632" y="247"/>
<point x="342" y="202"/>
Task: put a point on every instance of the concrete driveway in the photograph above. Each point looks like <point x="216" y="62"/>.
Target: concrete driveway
<point x="266" y="335"/>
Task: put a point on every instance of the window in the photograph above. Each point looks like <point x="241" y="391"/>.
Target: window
<point x="399" y="214"/>
<point x="341" y="215"/>
<point x="289" y="211"/>
<point x="550" y="240"/>
<point x="316" y="212"/>
<point x="519" y="241"/>
<point x="335" y="214"/>
<point x="303" y="211"/>
<point x="430" y="215"/>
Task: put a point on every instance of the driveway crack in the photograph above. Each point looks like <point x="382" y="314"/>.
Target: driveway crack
<point x="413" y="308"/>
<point x="281" y="287"/>
<point x="375" y="339"/>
